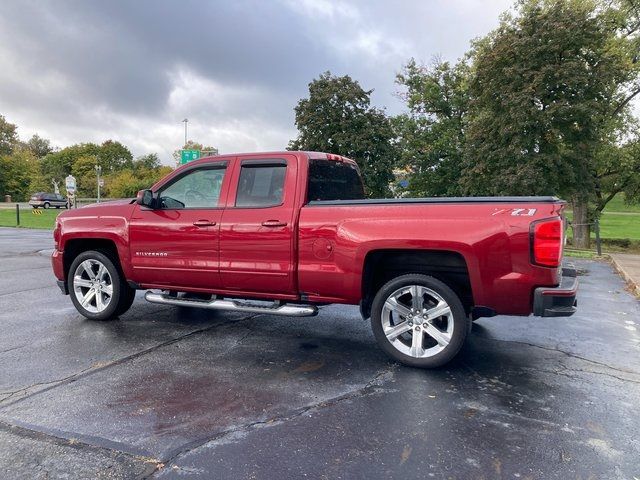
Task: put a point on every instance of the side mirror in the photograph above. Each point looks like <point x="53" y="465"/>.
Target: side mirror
<point x="145" y="198"/>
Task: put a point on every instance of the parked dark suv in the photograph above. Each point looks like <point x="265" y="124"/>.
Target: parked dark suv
<point x="47" y="200"/>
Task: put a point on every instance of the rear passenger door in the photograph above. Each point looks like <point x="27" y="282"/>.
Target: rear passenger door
<point x="257" y="229"/>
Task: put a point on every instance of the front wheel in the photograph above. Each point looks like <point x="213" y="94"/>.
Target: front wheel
<point x="97" y="288"/>
<point x="419" y="321"/>
<point x="46" y="205"/>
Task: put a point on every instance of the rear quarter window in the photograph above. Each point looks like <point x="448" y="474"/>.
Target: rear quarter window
<point x="331" y="180"/>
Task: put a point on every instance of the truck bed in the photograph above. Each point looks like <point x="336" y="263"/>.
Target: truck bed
<point x="396" y="201"/>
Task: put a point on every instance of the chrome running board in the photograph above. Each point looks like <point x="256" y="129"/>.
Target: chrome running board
<point x="275" y="308"/>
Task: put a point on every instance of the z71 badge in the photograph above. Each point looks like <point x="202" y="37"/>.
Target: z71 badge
<point x="517" y="212"/>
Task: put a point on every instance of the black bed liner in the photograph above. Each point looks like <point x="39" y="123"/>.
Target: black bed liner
<point x="402" y="201"/>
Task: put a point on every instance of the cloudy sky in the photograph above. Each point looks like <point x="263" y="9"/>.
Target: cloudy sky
<point x="77" y="71"/>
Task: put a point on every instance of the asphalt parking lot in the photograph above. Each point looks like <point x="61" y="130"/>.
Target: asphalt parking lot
<point x="171" y="393"/>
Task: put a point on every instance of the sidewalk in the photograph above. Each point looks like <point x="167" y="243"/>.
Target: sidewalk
<point x="629" y="267"/>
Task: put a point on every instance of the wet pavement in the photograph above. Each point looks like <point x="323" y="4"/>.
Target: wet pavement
<point x="172" y="393"/>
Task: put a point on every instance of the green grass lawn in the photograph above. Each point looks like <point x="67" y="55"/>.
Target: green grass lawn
<point x="618" y="220"/>
<point x="27" y="219"/>
<point x="620" y="225"/>
<point x="568" y="252"/>
<point x="617" y="205"/>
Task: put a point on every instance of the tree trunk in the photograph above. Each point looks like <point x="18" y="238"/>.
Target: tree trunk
<point x="581" y="229"/>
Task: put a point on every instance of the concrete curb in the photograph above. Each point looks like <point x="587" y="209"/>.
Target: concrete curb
<point x="634" y="286"/>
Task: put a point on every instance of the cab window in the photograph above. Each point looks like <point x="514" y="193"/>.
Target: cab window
<point x="261" y="184"/>
<point x="195" y="189"/>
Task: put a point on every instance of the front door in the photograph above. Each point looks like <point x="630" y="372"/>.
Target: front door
<point x="176" y="244"/>
<point x="257" y="231"/>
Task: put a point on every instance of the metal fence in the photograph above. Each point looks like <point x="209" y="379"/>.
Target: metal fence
<point x="596" y="230"/>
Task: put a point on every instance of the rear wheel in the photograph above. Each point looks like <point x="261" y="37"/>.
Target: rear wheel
<point x="98" y="289"/>
<point x="46" y="205"/>
<point x="419" y="321"/>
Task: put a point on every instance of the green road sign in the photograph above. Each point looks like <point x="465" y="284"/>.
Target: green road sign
<point x="188" y="155"/>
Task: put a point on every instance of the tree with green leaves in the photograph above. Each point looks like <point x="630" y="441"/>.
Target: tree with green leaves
<point x="8" y="136"/>
<point x="127" y="182"/>
<point x="144" y="172"/>
<point x="61" y="163"/>
<point x="550" y="92"/>
<point x="432" y="134"/>
<point x="113" y="156"/>
<point x="149" y="162"/>
<point x="40" y="147"/>
<point x="21" y="174"/>
<point x="337" y="117"/>
<point x="81" y="160"/>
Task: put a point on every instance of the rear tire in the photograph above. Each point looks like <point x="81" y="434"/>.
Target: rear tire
<point x="97" y="287"/>
<point x="46" y="205"/>
<point x="419" y="321"/>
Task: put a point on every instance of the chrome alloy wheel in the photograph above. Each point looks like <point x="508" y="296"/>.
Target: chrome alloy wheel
<point x="417" y="321"/>
<point x="92" y="286"/>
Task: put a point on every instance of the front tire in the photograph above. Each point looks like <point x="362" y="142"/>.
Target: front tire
<point x="126" y="300"/>
<point x="96" y="286"/>
<point x="419" y="321"/>
<point x="46" y="205"/>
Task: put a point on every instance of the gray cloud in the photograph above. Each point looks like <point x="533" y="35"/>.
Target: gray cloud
<point x="91" y="70"/>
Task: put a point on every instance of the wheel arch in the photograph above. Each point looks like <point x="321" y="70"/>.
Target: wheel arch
<point x="448" y="266"/>
<point x="75" y="246"/>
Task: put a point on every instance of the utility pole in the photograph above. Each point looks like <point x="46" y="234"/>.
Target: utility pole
<point x="98" y="172"/>
<point x="185" y="121"/>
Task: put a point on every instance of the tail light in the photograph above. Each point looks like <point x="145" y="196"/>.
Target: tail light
<point x="546" y="242"/>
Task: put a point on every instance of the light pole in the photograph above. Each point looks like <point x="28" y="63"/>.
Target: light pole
<point x="98" y="172"/>
<point x="185" y="121"/>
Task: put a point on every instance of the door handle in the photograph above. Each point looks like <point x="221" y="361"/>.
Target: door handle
<point x="204" y="223"/>
<point x="274" y="223"/>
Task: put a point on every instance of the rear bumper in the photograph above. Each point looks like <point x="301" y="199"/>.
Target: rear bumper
<point x="557" y="301"/>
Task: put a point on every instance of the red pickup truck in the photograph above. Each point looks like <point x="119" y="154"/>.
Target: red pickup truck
<point x="286" y="232"/>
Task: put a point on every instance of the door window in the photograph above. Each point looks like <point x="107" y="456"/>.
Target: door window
<point x="261" y="185"/>
<point x="196" y="189"/>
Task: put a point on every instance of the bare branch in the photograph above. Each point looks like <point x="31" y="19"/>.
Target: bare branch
<point x="624" y="103"/>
